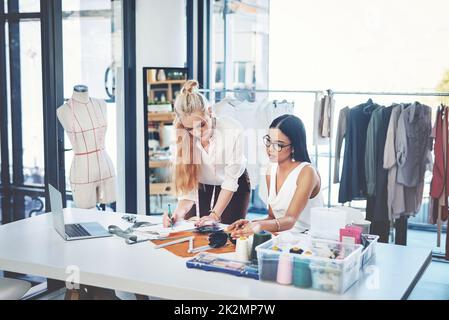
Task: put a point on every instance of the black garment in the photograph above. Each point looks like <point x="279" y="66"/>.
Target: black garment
<point x="236" y="208"/>
<point x="353" y="180"/>
<point x="377" y="205"/>
<point x="382" y="229"/>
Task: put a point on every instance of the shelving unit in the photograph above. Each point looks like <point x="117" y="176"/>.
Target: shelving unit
<point x="158" y="104"/>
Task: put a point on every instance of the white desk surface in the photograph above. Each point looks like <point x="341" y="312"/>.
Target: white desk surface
<point x="32" y="246"/>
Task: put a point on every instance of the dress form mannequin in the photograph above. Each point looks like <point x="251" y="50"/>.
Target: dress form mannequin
<point x="92" y="174"/>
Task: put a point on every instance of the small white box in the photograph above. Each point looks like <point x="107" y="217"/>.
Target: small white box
<point x="325" y="223"/>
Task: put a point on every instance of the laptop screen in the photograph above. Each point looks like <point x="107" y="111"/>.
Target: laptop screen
<point x="56" y="210"/>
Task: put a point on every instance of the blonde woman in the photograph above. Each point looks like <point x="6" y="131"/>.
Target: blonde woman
<point x="210" y="167"/>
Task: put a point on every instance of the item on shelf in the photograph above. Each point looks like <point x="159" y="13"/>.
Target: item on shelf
<point x="153" y="144"/>
<point x="285" y="269"/>
<point x="325" y="265"/>
<point x="161" y="75"/>
<point x="210" y="262"/>
<point x="162" y="107"/>
<point x="152" y="73"/>
<point x="258" y="239"/>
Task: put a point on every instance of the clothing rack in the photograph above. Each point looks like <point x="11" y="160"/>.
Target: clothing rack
<point x="367" y="93"/>
<point x="331" y="93"/>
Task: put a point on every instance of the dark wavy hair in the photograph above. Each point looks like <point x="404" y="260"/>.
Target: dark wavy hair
<point x="293" y="128"/>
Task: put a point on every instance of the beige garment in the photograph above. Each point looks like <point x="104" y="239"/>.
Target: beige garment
<point x="328" y="110"/>
<point x="401" y="200"/>
<point x="339" y="136"/>
<point x="318" y="139"/>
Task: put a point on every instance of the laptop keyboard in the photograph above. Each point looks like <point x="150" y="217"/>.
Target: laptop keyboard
<point x="75" y="231"/>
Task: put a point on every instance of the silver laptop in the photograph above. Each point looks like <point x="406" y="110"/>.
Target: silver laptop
<point x="77" y="231"/>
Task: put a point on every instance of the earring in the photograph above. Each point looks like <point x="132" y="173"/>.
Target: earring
<point x="293" y="155"/>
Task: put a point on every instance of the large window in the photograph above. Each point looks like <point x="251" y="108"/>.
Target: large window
<point x="23" y="146"/>
<point x="353" y="46"/>
<point x="347" y="46"/>
<point x="239" y="49"/>
<point x="92" y="53"/>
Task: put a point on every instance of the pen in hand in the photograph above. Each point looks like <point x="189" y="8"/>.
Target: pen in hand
<point x="170" y="216"/>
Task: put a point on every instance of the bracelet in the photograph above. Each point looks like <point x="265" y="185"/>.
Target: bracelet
<point x="278" y="224"/>
<point x="212" y="212"/>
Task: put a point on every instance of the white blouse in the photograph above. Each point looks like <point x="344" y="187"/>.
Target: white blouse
<point x="280" y="202"/>
<point x="224" y="162"/>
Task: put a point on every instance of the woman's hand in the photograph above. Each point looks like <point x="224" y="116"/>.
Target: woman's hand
<point x="239" y="224"/>
<point x="167" y="222"/>
<point x="176" y="216"/>
<point x="247" y="230"/>
<point x="207" y="221"/>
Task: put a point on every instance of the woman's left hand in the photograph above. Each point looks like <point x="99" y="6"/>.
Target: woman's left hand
<point x="207" y="221"/>
<point x="248" y="230"/>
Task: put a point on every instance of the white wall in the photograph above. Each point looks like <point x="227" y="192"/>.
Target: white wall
<point x="160" y="42"/>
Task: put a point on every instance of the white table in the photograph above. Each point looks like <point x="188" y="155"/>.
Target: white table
<point x="32" y="246"/>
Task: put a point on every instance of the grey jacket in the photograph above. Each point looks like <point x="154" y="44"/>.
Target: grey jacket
<point x="413" y="144"/>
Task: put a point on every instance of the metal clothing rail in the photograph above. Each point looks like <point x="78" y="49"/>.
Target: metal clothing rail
<point x="367" y="93"/>
<point x="333" y="93"/>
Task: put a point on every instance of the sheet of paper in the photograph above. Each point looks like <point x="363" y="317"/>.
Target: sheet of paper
<point x="179" y="226"/>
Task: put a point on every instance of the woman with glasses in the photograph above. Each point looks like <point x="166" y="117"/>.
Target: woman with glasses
<point x="210" y="167"/>
<point x="293" y="184"/>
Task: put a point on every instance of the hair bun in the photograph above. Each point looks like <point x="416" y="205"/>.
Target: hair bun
<point x="190" y="86"/>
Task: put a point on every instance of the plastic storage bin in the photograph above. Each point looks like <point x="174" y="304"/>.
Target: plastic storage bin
<point x="316" y="267"/>
<point x="370" y="250"/>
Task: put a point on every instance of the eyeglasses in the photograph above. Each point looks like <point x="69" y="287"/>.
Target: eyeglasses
<point x="203" y="123"/>
<point x="276" y="146"/>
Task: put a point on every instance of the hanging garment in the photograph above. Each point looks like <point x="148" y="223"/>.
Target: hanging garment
<point x="322" y="123"/>
<point x="371" y="150"/>
<point x="255" y="118"/>
<point x="377" y="204"/>
<point x="438" y="209"/>
<point x="413" y="144"/>
<point x="353" y="181"/>
<point x="340" y="135"/>
<point x="402" y="200"/>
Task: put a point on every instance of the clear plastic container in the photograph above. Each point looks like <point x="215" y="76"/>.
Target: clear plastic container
<point x="370" y="250"/>
<point x="316" y="267"/>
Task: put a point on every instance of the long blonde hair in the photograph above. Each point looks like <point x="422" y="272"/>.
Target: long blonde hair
<point x="186" y="170"/>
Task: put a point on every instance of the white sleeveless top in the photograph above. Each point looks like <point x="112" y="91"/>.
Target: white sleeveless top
<point x="280" y="202"/>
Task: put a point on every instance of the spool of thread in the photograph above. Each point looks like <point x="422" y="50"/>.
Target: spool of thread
<point x="259" y="238"/>
<point x="296" y="250"/>
<point x="285" y="268"/>
<point x="302" y="275"/>
<point x="242" y="249"/>
<point x="268" y="267"/>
